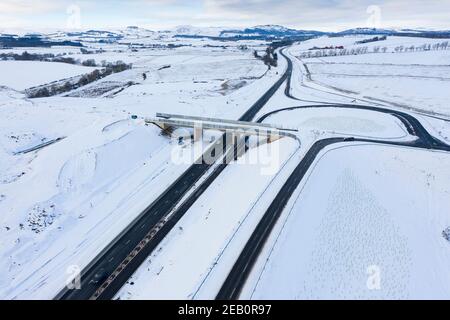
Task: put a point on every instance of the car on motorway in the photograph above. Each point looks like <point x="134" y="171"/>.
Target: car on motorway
<point x="99" y="277"/>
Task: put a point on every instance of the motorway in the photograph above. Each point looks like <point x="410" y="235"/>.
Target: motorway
<point x="110" y="270"/>
<point x="236" y="279"/>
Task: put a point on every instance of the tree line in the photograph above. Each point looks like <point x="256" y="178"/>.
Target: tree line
<point x="59" y="88"/>
<point x="375" y="39"/>
<point x="377" y="49"/>
<point x="270" y="57"/>
<point x="49" y="57"/>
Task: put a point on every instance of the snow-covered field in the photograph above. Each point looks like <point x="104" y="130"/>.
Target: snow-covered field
<point x="180" y="265"/>
<point x="390" y="83"/>
<point x="21" y="75"/>
<point x="357" y="123"/>
<point x="409" y="79"/>
<point x="368" y="224"/>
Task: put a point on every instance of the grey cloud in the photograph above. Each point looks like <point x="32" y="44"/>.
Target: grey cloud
<point x="333" y="12"/>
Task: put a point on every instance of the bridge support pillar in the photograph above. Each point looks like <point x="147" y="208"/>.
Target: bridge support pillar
<point x="198" y="133"/>
<point x="273" y="138"/>
<point x="164" y="127"/>
<point x="238" y="140"/>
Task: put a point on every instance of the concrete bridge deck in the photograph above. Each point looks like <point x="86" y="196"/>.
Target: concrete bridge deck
<point x="239" y="128"/>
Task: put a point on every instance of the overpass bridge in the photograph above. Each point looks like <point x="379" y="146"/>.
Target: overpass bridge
<point x="239" y="129"/>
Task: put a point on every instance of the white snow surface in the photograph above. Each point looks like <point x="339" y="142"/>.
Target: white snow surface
<point x="21" y="75"/>
<point x="354" y="122"/>
<point x="366" y="224"/>
<point x="413" y="80"/>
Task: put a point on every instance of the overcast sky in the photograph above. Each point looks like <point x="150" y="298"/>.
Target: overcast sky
<point x="328" y="15"/>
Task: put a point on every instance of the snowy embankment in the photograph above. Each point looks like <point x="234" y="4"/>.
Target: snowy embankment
<point x="73" y="199"/>
<point x="21" y="75"/>
<point x="367" y="223"/>
<point x="440" y="128"/>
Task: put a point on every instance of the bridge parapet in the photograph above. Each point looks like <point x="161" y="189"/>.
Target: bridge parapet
<point x="239" y="128"/>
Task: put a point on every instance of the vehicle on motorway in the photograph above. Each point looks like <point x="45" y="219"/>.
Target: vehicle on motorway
<point x="99" y="277"/>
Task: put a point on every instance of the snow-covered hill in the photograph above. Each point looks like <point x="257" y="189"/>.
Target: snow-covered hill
<point x="260" y="32"/>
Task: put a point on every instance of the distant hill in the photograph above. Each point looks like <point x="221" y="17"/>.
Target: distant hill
<point x="10" y="41"/>
<point x="393" y="32"/>
<point x="276" y="32"/>
<point x="272" y="31"/>
<point x="133" y="34"/>
<point x="264" y="32"/>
